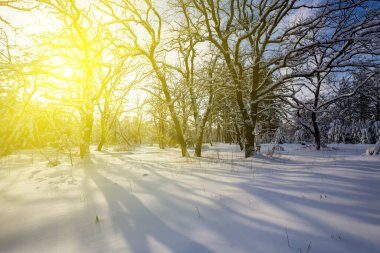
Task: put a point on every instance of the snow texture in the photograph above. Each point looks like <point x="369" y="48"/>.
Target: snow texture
<point x="375" y="150"/>
<point x="151" y="200"/>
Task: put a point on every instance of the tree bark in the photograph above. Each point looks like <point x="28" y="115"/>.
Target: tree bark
<point x="198" y="145"/>
<point x="316" y="132"/>
<point x="102" y="134"/>
<point x="238" y="136"/>
<point x="161" y="133"/>
<point x="250" y="138"/>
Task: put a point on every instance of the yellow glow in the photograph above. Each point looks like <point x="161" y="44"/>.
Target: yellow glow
<point x="68" y="71"/>
<point x="62" y="67"/>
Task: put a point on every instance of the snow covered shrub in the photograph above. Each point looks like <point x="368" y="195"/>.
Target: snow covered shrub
<point x="355" y="132"/>
<point x="335" y="133"/>
<point x="279" y="136"/>
<point x="299" y="136"/>
<point x="257" y="147"/>
<point x="269" y="153"/>
<point x="364" y="136"/>
<point x="374" y="131"/>
<point x="278" y="148"/>
<point x="374" y="150"/>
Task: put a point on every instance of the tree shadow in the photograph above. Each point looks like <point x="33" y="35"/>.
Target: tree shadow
<point x="137" y="223"/>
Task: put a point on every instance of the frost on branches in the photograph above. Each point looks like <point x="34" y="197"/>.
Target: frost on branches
<point x="299" y="136"/>
<point x="335" y="132"/>
<point x="279" y="136"/>
<point x="357" y="132"/>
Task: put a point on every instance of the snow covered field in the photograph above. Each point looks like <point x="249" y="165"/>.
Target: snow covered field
<point x="151" y="200"/>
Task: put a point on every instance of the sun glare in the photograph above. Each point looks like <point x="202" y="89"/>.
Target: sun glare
<point x="61" y="66"/>
<point x="68" y="71"/>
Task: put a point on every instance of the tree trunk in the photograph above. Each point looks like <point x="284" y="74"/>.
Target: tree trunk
<point x="184" y="116"/>
<point x="198" y="145"/>
<point x="170" y="104"/>
<point x="238" y="136"/>
<point x="181" y="140"/>
<point x="218" y="133"/>
<point x="139" y="139"/>
<point x="102" y="134"/>
<point x="250" y="137"/>
<point x="210" y="134"/>
<point x="249" y="145"/>
<point x="316" y="132"/>
<point x="161" y="133"/>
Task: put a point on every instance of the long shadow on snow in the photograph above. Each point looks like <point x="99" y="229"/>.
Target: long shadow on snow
<point x="278" y="196"/>
<point x="136" y="222"/>
<point x="220" y="218"/>
<point x="316" y="215"/>
<point x="282" y="201"/>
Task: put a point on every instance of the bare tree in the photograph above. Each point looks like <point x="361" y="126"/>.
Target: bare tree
<point x="211" y="89"/>
<point x="259" y="42"/>
<point x="117" y="85"/>
<point x="19" y="5"/>
<point x="143" y="27"/>
<point x="158" y="111"/>
<point x="348" y="40"/>
<point x="18" y="86"/>
<point x="80" y="43"/>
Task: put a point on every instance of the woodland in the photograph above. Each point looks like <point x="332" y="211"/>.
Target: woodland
<point x="187" y="72"/>
<point x="191" y="126"/>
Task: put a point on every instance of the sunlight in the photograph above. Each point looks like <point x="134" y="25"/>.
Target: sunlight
<point x="62" y="67"/>
<point x="189" y="126"/>
<point x="68" y="71"/>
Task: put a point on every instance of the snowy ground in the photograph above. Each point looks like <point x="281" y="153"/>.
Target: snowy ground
<point x="149" y="200"/>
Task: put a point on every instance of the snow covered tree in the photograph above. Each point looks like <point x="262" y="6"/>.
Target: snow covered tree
<point x="299" y="136"/>
<point x="279" y="137"/>
<point x="358" y="113"/>
<point x="374" y="150"/>
<point x="260" y="43"/>
<point x="335" y="133"/>
<point x="374" y="131"/>
<point x="347" y="39"/>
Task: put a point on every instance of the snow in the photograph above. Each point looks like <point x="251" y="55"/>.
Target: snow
<point x="152" y="200"/>
<point x="375" y="150"/>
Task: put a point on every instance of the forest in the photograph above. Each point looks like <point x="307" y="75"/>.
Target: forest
<point x="181" y="73"/>
<point x="189" y="126"/>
